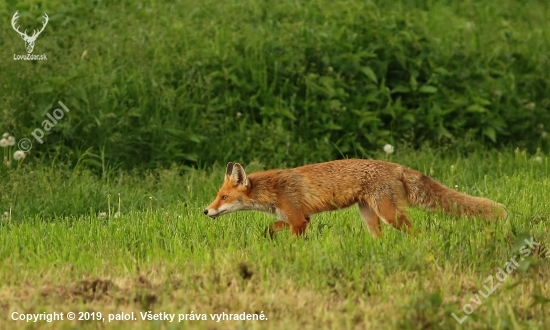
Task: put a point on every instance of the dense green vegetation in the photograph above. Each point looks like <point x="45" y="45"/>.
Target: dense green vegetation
<point x="105" y="216"/>
<point x="288" y="82"/>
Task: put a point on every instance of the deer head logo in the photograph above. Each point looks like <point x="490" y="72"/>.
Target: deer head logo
<point x="29" y="41"/>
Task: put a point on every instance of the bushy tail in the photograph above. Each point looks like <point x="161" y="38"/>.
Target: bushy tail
<point x="424" y="191"/>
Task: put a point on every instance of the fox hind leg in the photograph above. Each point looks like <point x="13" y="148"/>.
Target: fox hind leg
<point x="391" y="213"/>
<point x="371" y="219"/>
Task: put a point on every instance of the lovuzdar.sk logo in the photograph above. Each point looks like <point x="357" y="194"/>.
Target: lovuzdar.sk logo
<point x="29" y="40"/>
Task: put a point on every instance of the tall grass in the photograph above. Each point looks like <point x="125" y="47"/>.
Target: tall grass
<point x="171" y="258"/>
<point x="284" y="82"/>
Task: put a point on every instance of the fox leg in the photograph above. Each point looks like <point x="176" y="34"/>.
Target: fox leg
<point x="298" y="228"/>
<point x="391" y="213"/>
<point x="275" y="227"/>
<point x="371" y="219"/>
<point x="298" y="225"/>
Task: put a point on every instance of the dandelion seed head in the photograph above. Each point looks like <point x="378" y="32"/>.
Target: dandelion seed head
<point x="388" y="148"/>
<point x="538" y="159"/>
<point x="118" y="215"/>
<point x="19" y="155"/>
<point x="11" y="141"/>
<point x="544" y="135"/>
<point x="5" y="135"/>
<point x="530" y="106"/>
<point x="6" y="215"/>
<point x="3" y="142"/>
<point x="102" y="215"/>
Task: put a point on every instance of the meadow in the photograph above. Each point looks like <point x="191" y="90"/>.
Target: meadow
<point x="103" y="216"/>
<point x="161" y="254"/>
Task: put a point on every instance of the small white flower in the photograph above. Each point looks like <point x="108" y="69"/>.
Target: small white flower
<point x="543" y="135"/>
<point x="456" y="186"/>
<point x="102" y="215"/>
<point x="19" y="155"/>
<point x="388" y="148"/>
<point x="3" y="142"/>
<point x="11" y="140"/>
<point x="538" y="159"/>
<point x="5" y="135"/>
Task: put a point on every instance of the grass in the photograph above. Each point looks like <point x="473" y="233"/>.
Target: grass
<point x="166" y="256"/>
<point x="195" y="82"/>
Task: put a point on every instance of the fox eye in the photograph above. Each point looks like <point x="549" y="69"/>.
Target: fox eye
<point x="224" y="197"/>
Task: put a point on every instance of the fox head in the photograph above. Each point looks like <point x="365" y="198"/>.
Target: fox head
<point x="233" y="195"/>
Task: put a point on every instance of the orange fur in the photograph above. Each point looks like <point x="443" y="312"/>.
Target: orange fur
<point x="381" y="189"/>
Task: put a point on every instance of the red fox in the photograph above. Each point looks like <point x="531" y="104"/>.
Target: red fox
<point x="381" y="189"/>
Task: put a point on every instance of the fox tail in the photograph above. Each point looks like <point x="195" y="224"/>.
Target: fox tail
<point x="432" y="195"/>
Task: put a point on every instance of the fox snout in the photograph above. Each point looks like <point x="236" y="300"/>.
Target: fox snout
<point x="211" y="213"/>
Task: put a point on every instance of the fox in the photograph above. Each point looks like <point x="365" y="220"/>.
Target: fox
<point x="382" y="190"/>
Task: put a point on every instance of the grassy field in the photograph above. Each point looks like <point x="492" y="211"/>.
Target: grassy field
<point x="163" y="255"/>
<point x="93" y="223"/>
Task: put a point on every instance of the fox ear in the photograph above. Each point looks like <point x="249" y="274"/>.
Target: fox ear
<point x="229" y="169"/>
<point x="238" y="176"/>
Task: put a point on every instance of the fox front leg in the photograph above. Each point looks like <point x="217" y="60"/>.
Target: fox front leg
<point x="275" y="227"/>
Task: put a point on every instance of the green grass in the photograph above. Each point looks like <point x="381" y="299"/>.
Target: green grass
<point x="176" y="260"/>
<point x="199" y="83"/>
<point x="195" y="82"/>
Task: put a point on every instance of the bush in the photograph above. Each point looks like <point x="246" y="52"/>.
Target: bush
<point x="285" y="82"/>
